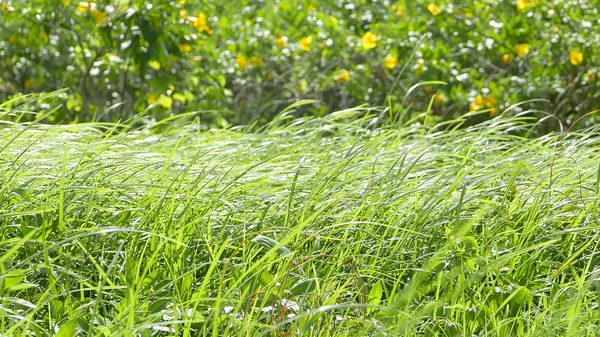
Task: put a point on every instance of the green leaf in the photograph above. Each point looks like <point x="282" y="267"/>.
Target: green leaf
<point x="266" y="279"/>
<point x="304" y="287"/>
<point x="375" y="294"/>
<point x="67" y="329"/>
<point x="270" y="243"/>
<point x="158" y="305"/>
<point x="12" y="278"/>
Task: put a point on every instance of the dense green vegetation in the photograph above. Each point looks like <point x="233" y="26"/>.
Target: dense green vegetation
<point x="243" y="61"/>
<point x="334" y="226"/>
<point x="299" y="168"/>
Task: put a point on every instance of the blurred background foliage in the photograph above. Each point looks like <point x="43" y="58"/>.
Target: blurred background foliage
<point x="243" y="61"/>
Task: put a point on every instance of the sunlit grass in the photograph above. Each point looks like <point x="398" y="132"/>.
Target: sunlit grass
<point x="316" y="227"/>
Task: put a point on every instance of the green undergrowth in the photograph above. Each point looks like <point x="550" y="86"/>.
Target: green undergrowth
<point x="329" y="226"/>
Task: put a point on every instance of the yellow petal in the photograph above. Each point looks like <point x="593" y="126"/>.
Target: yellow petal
<point x="344" y="75"/>
<point x="420" y="67"/>
<point x="256" y="61"/>
<point x="242" y="62"/>
<point x="98" y="16"/>
<point x="369" y="40"/>
<point x="154" y="64"/>
<point x="390" y="62"/>
<point x="490" y="101"/>
<point x="199" y="22"/>
<point x="479" y="100"/>
<point x="575" y="57"/>
<point x="302" y="85"/>
<point x="434" y="9"/>
<point x="7" y="7"/>
<point x="281" y="41"/>
<point x="400" y="10"/>
<point x="439" y="98"/>
<point x="179" y="97"/>
<point x="506" y="58"/>
<point x="522" y="49"/>
<point x="186" y="48"/>
<point x="152" y="98"/>
<point x="305" y="43"/>
<point x="523" y="4"/>
<point x="473" y="107"/>
<point x="165" y="101"/>
<point x="83" y="6"/>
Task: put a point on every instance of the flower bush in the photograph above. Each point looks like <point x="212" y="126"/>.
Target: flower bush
<point x="244" y="61"/>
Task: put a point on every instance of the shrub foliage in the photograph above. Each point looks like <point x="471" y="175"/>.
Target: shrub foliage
<point x="242" y="61"/>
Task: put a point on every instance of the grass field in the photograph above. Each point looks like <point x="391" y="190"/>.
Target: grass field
<point x="336" y="226"/>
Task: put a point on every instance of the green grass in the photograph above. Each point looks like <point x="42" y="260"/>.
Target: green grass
<point x="318" y="227"/>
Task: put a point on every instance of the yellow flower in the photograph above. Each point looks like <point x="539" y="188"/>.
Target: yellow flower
<point x="575" y="57"/>
<point x="302" y="86"/>
<point x="490" y="101"/>
<point x="523" y="4"/>
<point x="477" y="104"/>
<point x="65" y="2"/>
<point x="312" y="8"/>
<point x="199" y="23"/>
<point x="506" y="58"/>
<point x="98" y="16"/>
<point x="186" y="48"/>
<point x="29" y="83"/>
<point x="522" y="49"/>
<point x="44" y="36"/>
<point x="434" y="9"/>
<point x="369" y="40"/>
<point x="420" y="67"/>
<point x="7" y="7"/>
<point x="400" y="10"/>
<point x="256" y="61"/>
<point x="591" y="75"/>
<point x="12" y="39"/>
<point x="281" y="41"/>
<point x="207" y="30"/>
<point x="242" y="62"/>
<point x="183" y="14"/>
<point x="305" y="43"/>
<point x="344" y="75"/>
<point x="154" y="64"/>
<point x="165" y="101"/>
<point x="179" y="97"/>
<point x="439" y="97"/>
<point x="334" y="20"/>
<point x="390" y="62"/>
<point x="84" y="6"/>
<point x="480" y="103"/>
